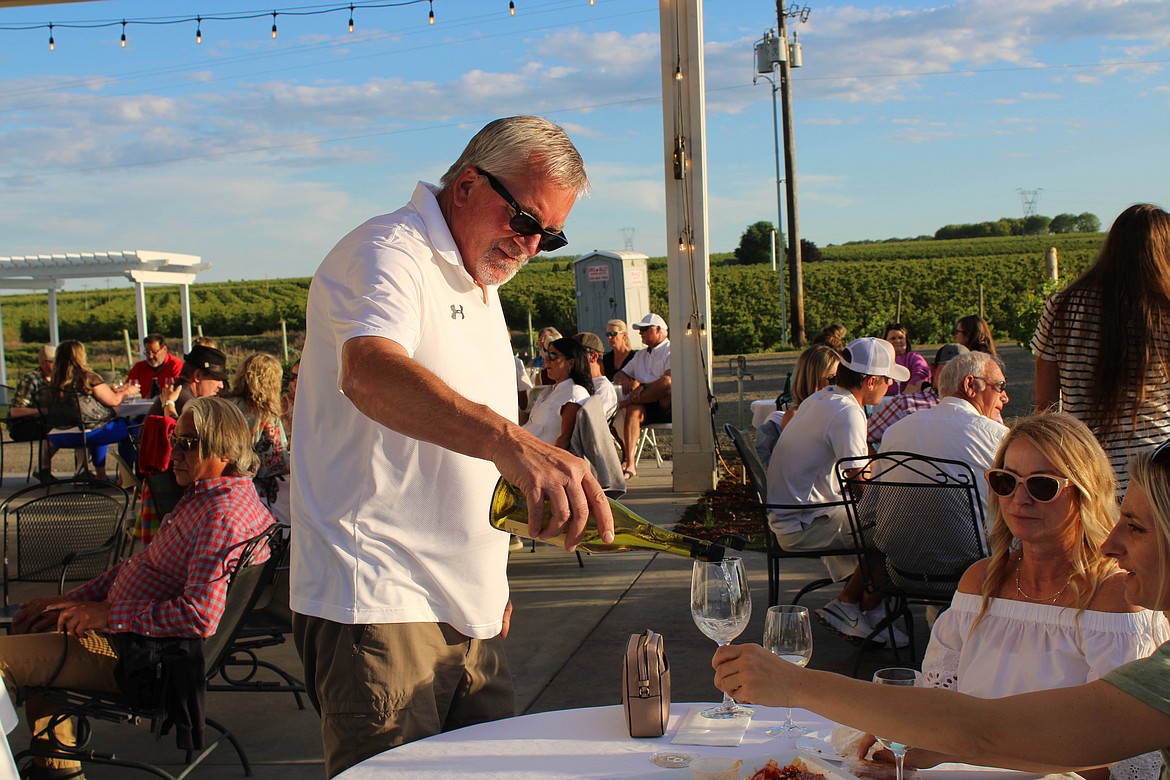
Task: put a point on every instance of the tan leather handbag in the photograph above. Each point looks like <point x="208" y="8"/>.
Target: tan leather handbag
<point x="646" y="685"/>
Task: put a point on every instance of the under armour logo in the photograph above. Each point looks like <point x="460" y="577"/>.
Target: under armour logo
<point x="457" y="312"/>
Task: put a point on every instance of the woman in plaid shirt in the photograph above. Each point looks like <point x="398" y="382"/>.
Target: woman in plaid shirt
<point x="174" y="587"/>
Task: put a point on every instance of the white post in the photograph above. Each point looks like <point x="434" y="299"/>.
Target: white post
<point x="688" y="261"/>
<point x="185" y="315"/>
<point x="140" y="308"/>
<point x="54" y="334"/>
<point x="3" y="365"/>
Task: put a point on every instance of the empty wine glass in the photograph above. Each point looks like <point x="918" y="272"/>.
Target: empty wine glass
<point x="895" y="675"/>
<point x="788" y="634"/>
<point x="721" y="605"/>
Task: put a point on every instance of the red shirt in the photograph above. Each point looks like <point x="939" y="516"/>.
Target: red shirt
<point x="177" y="585"/>
<point x="144" y="373"/>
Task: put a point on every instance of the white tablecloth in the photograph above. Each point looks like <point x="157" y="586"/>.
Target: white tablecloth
<point x="135" y="407"/>
<point x="8" y="721"/>
<point x="761" y="410"/>
<point x="586" y="743"/>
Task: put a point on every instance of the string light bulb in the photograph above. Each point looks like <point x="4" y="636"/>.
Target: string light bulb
<point x="431" y="15"/>
<point x="274" y="25"/>
<point x="198" y="29"/>
<point x="351" y="17"/>
<point x="52" y="43"/>
<point x="690" y="330"/>
<point x="512" y="7"/>
<point x="678" y="76"/>
<point x="123" y="33"/>
<point x="590" y="2"/>
<point x="702" y="329"/>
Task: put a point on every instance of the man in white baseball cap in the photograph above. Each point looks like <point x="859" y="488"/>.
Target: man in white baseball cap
<point x="830" y="425"/>
<point x="646" y="383"/>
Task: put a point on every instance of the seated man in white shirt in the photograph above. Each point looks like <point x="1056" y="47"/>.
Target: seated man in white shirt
<point x="602" y="387"/>
<point x="831" y="426"/>
<point x="899" y="406"/>
<point x="964" y="426"/>
<point x="646" y="382"/>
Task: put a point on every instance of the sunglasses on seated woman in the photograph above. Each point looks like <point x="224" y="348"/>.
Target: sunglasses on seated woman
<point x="1041" y="487"/>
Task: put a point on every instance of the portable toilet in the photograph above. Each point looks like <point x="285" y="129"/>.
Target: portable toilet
<point x="611" y="285"/>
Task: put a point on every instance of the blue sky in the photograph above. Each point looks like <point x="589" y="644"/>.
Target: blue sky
<point x="259" y="154"/>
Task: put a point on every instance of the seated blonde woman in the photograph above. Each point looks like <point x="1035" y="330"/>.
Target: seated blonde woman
<point x="815" y="368"/>
<point x="256" y="392"/>
<point x="1047" y="609"/>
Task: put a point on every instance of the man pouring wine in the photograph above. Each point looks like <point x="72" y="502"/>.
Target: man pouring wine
<point x="399" y="587"/>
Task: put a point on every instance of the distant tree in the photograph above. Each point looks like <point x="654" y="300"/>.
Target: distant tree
<point x="755" y="245"/>
<point x="1088" y="223"/>
<point x="1063" y="223"/>
<point x="1036" y="225"/>
<point x="809" y="252"/>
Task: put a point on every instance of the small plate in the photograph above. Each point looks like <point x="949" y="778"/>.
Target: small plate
<point x="817" y="743"/>
<point x="818" y="764"/>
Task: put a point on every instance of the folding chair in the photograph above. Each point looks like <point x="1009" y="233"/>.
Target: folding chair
<point x="246" y="584"/>
<point x="649" y="436"/>
<point x="758" y="478"/>
<point x="923" y="521"/>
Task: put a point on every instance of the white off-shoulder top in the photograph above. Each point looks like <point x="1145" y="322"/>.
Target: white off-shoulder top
<point x="1020" y="647"/>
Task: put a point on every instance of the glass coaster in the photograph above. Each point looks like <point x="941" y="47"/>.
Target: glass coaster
<point x="672" y="759"/>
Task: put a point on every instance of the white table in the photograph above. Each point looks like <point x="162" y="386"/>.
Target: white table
<point x="134" y="407"/>
<point x="761" y="410"/>
<point x="8" y="721"/>
<point x="586" y="743"/>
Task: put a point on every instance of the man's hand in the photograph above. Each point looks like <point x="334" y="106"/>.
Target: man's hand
<point x="546" y="473"/>
<point x="35" y="616"/>
<point x="507" y="621"/>
<point x="79" y="617"/>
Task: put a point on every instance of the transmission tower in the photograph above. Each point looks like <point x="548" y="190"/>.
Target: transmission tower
<point x="1029" y="199"/>
<point x="628" y="236"/>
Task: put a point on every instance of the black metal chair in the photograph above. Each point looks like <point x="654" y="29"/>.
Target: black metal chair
<point x="758" y="478"/>
<point x="65" y="532"/>
<point x="33" y="443"/>
<point x="922" y="520"/>
<point x="267" y="625"/>
<point x="246" y="585"/>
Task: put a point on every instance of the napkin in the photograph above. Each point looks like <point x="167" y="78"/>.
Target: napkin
<point x="697" y="730"/>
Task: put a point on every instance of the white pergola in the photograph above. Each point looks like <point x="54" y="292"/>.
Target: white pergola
<point x="140" y="266"/>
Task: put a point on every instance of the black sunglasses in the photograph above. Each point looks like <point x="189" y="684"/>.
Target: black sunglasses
<point x="554" y="356"/>
<point x="1041" y="487"/>
<point x="183" y="443"/>
<point x="999" y="385"/>
<point x="523" y="223"/>
<point x="1161" y="454"/>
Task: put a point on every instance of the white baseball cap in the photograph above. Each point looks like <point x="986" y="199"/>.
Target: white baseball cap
<point x="650" y="321"/>
<point x="874" y="357"/>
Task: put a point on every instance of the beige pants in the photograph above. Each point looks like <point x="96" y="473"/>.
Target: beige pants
<point x="379" y="686"/>
<point x="829" y="531"/>
<point x="29" y="660"/>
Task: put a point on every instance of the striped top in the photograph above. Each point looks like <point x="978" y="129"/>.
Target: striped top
<point x="1073" y="344"/>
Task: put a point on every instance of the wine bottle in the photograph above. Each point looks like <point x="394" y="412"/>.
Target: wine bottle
<point x="509" y="512"/>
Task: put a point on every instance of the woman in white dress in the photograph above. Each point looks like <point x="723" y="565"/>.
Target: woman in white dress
<point x="554" y="413"/>
<point x="1046" y="609"/>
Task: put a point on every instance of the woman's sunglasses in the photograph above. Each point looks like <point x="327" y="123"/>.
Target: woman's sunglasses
<point x="554" y="356"/>
<point x="612" y="333"/>
<point x="183" y="443"/>
<point x="1041" y="487"/>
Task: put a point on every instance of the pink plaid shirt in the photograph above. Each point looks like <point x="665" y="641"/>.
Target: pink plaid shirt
<point x="177" y="585"/>
<point x="898" y="407"/>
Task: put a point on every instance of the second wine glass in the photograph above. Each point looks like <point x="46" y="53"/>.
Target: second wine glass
<point x="721" y="604"/>
<point x="788" y="634"/>
<point x="895" y="675"/>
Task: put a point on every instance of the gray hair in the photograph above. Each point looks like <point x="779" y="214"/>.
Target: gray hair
<point x="950" y="379"/>
<point x="223" y="433"/>
<point x="517" y="145"/>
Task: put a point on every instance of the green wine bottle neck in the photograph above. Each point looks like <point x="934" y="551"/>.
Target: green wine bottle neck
<point x="509" y="512"/>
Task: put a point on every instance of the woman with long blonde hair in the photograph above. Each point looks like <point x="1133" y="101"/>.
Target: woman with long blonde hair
<point x="620" y="349"/>
<point x="256" y="391"/>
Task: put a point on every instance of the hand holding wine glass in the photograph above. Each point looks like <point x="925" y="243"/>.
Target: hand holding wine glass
<point x="895" y="676"/>
<point x="788" y="634"/>
<point x="721" y="604"/>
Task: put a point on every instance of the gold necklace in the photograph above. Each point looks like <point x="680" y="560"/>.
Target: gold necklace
<point x="1043" y="599"/>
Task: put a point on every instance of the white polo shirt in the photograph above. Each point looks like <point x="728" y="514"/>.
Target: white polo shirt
<point x="648" y="365"/>
<point x="389" y="529"/>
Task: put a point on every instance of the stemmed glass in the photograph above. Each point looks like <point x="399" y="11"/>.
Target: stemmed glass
<point x="721" y="605"/>
<point x="895" y="675"/>
<point x="788" y="634"/>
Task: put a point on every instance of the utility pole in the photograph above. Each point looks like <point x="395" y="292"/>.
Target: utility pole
<point x="795" y="271"/>
<point x="769" y="50"/>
